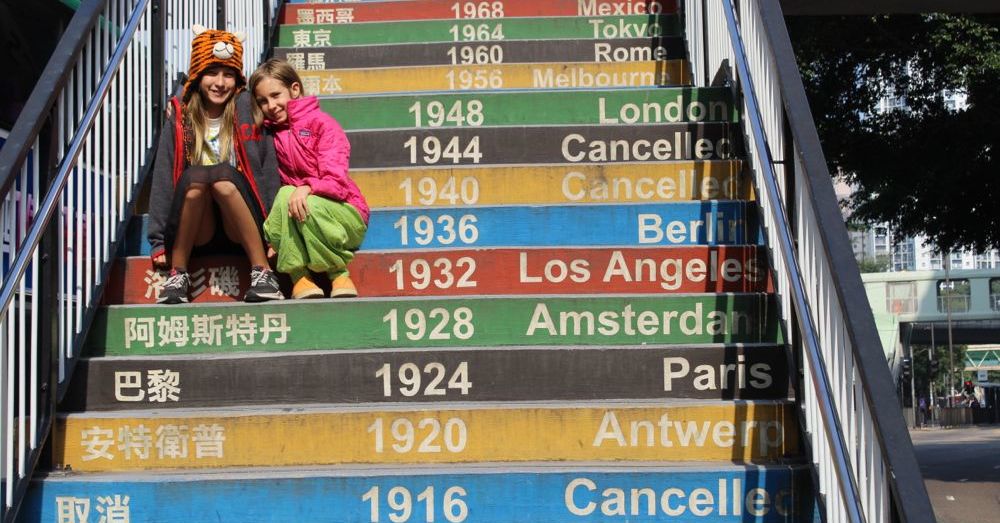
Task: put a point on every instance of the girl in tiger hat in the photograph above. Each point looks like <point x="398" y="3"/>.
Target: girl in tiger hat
<point x="215" y="174"/>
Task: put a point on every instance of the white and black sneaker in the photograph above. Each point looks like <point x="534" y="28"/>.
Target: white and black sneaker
<point x="175" y="289"/>
<point x="263" y="286"/>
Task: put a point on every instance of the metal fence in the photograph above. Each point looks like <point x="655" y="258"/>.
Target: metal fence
<point x="68" y="171"/>
<point x="863" y="459"/>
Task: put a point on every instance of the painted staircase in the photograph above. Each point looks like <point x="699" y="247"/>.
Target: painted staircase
<point x="566" y="312"/>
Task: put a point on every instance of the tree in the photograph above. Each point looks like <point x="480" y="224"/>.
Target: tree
<point x="876" y="264"/>
<point x="925" y="169"/>
<point x="922" y="371"/>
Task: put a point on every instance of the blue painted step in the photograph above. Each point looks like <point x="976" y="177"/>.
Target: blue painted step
<point x="643" y="225"/>
<point x="717" y="493"/>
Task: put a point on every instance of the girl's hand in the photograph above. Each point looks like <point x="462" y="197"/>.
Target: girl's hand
<point x="297" y="203"/>
<point x="160" y="262"/>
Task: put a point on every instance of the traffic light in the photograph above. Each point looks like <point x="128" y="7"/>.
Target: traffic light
<point x="906" y="368"/>
<point x="935" y="366"/>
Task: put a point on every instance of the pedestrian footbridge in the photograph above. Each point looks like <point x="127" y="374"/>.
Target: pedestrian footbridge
<point x="917" y="307"/>
<point x="606" y="278"/>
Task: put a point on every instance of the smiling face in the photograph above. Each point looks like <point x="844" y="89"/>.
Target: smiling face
<point x="272" y="96"/>
<point x="217" y="86"/>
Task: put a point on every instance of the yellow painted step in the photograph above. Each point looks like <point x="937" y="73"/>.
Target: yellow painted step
<point x="497" y="76"/>
<point x="554" y="184"/>
<point x="719" y="431"/>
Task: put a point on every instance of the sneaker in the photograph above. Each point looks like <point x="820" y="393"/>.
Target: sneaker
<point x="263" y="286"/>
<point x="305" y="288"/>
<point x="343" y="287"/>
<point x="175" y="289"/>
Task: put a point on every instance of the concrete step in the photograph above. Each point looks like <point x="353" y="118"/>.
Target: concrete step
<point x="715" y="372"/>
<point x="322" y="35"/>
<point x="471" y="272"/>
<point x="485" y="53"/>
<point x="452" y="10"/>
<point x="275" y="437"/>
<point x="461" y="322"/>
<point x="707" y="492"/>
<point x="561" y="75"/>
<point x="533" y="107"/>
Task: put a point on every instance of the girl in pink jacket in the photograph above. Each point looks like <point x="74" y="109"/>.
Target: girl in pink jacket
<point x="319" y="217"/>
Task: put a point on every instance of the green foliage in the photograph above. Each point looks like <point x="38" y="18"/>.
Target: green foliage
<point x="921" y="367"/>
<point x="877" y="264"/>
<point x="927" y="169"/>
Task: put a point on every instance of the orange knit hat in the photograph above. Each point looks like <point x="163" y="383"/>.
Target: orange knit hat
<point x="213" y="47"/>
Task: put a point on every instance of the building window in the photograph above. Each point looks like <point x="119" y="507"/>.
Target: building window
<point x="957" y="294"/>
<point x="995" y="293"/>
<point x="901" y="297"/>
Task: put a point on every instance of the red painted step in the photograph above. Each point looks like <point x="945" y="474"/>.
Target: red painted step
<point x="488" y="271"/>
<point x="495" y="10"/>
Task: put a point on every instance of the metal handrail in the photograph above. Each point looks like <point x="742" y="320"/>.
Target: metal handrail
<point x="100" y="98"/>
<point x="13" y="282"/>
<point x="786" y="246"/>
<point x="869" y="433"/>
<point x="907" y="490"/>
<point x="22" y="136"/>
<point x="48" y="205"/>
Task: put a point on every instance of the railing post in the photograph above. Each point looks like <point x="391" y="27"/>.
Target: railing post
<point x="158" y="58"/>
<point x="265" y="6"/>
<point x="220" y="14"/>
<point x="49" y="319"/>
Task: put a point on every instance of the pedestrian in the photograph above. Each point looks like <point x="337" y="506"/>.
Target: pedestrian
<point x="319" y="217"/>
<point x="215" y="176"/>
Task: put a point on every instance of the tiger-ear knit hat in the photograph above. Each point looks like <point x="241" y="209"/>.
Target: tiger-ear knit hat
<point x="213" y="47"/>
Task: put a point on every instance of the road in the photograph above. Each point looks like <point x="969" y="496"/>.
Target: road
<point x="961" y="469"/>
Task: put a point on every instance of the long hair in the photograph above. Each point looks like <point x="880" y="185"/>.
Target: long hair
<point x="277" y="69"/>
<point x="194" y="118"/>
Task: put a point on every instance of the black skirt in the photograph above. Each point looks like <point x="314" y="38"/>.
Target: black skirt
<point x="209" y="175"/>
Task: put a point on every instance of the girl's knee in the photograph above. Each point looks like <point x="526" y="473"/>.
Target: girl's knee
<point x="195" y="191"/>
<point x="224" y="189"/>
<point x="280" y="205"/>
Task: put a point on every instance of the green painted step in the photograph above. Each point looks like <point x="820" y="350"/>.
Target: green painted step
<point x="636" y="26"/>
<point x="132" y="330"/>
<point x="577" y="107"/>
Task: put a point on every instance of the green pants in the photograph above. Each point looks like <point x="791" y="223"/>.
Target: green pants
<point x="325" y="242"/>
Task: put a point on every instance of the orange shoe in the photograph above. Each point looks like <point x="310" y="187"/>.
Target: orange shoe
<point x="343" y="287"/>
<point x="305" y="288"/>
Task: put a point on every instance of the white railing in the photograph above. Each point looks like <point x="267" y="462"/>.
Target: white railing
<point x="178" y="16"/>
<point x="100" y="106"/>
<point x="847" y="400"/>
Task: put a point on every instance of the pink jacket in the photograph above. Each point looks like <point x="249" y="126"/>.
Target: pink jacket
<point x="313" y="150"/>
